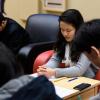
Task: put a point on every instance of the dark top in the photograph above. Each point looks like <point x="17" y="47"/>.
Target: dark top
<point x="14" y="36"/>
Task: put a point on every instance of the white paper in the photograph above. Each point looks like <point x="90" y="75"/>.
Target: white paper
<point x="62" y="92"/>
<point x="34" y="75"/>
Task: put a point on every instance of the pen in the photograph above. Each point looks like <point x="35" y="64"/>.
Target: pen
<point x="72" y="79"/>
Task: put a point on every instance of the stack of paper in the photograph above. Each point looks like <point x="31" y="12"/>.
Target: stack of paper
<point x="63" y="92"/>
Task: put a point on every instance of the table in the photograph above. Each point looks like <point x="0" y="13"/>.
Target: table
<point x="78" y="95"/>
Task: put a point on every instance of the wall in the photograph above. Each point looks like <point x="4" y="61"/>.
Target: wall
<point x="21" y="9"/>
<point x="89" y="8"/>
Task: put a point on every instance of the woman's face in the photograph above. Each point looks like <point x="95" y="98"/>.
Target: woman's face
<point x="67" y="30"/>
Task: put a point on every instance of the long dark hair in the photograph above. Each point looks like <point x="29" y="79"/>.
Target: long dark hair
<point x="73" y="17"/>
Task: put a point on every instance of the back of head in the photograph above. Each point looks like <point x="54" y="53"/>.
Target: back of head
<point x="38" y="89"/>
<point x="88" y="35"/>
<point x="72" y="16"/>
<point x="9" y="68"/>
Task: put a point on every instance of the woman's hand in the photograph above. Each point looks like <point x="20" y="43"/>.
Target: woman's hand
<point x="48" y="72"/>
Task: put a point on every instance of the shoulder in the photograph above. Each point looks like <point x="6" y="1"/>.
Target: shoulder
<point x="84" y="59"/>
<point x="12" y="25"/>
<point x="83" y="56"/>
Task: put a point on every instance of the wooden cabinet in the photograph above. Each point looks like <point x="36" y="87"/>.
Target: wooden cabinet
<point x="78" y="95"/>
<point x="84" y="95"/>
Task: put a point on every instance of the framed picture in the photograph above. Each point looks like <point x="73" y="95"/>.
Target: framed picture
<point x="54" y="5"/>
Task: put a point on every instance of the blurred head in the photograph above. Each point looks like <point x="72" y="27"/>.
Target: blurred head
<point x="88" y="40"/>
<point x="69" y="22"/>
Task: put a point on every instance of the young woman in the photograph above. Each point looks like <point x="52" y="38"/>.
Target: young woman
<point x="69" y="23"/>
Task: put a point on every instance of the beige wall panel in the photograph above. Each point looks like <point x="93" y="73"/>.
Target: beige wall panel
<point x="28" y="7"/>
<point x="89" y="8"/>
<point x="21" y="9"/>
<point x="11" y="8"/>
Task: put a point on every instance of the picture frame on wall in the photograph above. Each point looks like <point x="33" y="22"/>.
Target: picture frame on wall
<point x="54" y="5"/>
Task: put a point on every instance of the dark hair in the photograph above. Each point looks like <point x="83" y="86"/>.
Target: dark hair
<point x="73" y="17"/>
<point x="9" y="68"/>
<point x="1" y="17"/>
<point x="39" y="88"/>
<point x="88" y="35"/>
<point x="2" y="2"/>
<point x="2" y="6"/>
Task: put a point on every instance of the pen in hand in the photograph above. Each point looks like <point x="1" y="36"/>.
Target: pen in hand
<point x="72" y="79"/>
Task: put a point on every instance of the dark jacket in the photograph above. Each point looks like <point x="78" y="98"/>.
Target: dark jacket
<point x="38" y="89"/>
<point x="29" y="88"/>
<point x="14" y="36"/>
<point x="11" y="87"/>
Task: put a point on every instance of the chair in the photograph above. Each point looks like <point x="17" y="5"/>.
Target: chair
<point x="43" y="29"/>
<point x="42" y="59"/>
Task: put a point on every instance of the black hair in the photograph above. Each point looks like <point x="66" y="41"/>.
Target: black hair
<point x="73" y="17"/>
<point x="88" y="35"/>
<point x="2" y="2"/>
<point x="9" y="67"/>
<point x="1" y="17"/>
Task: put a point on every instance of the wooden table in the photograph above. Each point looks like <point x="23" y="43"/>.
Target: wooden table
<point x="78" y="95"/>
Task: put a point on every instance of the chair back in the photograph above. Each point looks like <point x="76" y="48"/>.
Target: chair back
<point x="43" y="27"/>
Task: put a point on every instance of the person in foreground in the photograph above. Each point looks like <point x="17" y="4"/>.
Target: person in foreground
<point x="87" y="40"/>
<point x="29" y="88"/>
<point x="69" y="22"/>
<point x="12" y="34"/>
